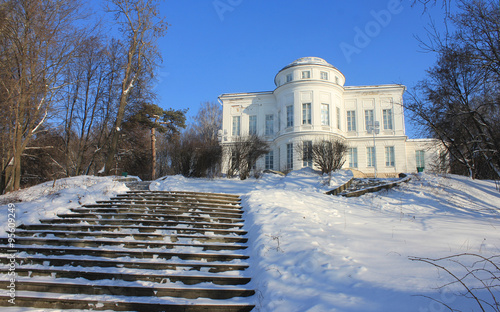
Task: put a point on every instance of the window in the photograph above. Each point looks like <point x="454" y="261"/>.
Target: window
<point x="351" y="120"/>
<point x="270" y="160"/>
<point x="269" y="124"/>
<point x="307" y="154"/>
<point x="289" y="77"/>
<point x="353" y="157"/>
<point x="252" y="125"/>
<point x="336" y="80"/>
<point x="324" y="75"/>
<point x="306" y="113"/>
<point x="289" y="156"/>
<point x="325" y="114"/>
<point x="289" y="116"/>
<point x="368" y="118"/>
<point x="387" y="114"/>
<point x="236" y="125"/>
<point x="338" y="118"/>
<point x="420" y="158"/>
<point x="370" y="156"/>
<point x="389" y="156"/>
<point x="306" y="74"/>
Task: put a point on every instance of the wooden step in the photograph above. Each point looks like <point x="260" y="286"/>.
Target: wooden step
<point x="140" y="228"/>
<point x="189" y="194"/>
<point x="159" y="212"/>
<point x="161" y="207"/>
<point x="147" y="216"/>
<point x="132" y="264"/>
<point x="145" y="254"/>
<point x="186" y="199"/>
<point x="26" y="284"/>
<point x="122" y="244"/>
<point x="100" y="303"/>
<point x="132" y="277"/>
<point x="168" y="203"/>
<point x="194" y="224"/>
<point x="137" y="236"/>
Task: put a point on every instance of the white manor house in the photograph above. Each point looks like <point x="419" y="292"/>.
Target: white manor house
<point x="312" y="103"/>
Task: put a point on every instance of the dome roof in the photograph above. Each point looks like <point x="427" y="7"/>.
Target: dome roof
<point x="308" y="61"/>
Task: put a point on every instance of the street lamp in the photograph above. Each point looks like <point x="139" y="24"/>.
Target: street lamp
<point x="373" y="128"/>
<point x="153" y="143"/>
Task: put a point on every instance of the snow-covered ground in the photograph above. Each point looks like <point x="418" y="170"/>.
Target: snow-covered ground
<point x="314" y="252"/>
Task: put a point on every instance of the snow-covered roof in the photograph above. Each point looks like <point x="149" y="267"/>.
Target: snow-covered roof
<point x="310" y="60"/>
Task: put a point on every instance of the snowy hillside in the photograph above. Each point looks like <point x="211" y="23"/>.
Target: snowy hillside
<point x="314" y="252"/>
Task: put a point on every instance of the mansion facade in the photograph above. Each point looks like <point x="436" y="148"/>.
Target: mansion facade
<point x="311" y="103"/>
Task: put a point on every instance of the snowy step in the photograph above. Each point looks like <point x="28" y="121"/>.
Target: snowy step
<point x="99" y="303"/>
<point x="188" y="194"/>
<point x="169" y="203"/>
<point x="154" y="211"/>
<point x="124" y="207"/>
<point x="140" y="228"/>
<point x="132" y="277"/>
<point x="135" y="236"/>
<point x="167" y="223"/>
<point x="140" y="254"/>
<point x="179" y="198"/>
<point x="66" y="287"/>
<point x="147" y="216"/>
<point x="132" y="264"/>
<point x="121" y="243"/>
<point x="141" y="251"/>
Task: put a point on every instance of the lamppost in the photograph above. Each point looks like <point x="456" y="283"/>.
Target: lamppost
<point x="373" y="128"/>
<point x="153" y="144"/>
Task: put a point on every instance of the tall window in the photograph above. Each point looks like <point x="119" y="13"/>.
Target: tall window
<point x="252" y="125"/>
<point x="325" y="114"/>
<point x="324" y="75"/>
<point x="289" y="156"/>
<point x="389" y="156"/>
<point x="351" y="120"/>
<point x="306" y="113"/>
<point x="289" y="77"/>
<point x="368" y="118"/>
<point x="306" y="74"/>
<point x="270" y="160"/>
<point x="353" y="157"/>
<point x="289" y="116"/>
<point x="338" y="118"/>
<point x="307" y="154"/>
<point x="269" y="124"/>
<point x="370" y="156"/>
<point x="236" y="125"/>
<point x="387" y="113"/>
<point x="420" y="157"/>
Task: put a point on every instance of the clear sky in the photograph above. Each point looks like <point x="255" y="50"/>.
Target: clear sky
<point x="223" y="46"/>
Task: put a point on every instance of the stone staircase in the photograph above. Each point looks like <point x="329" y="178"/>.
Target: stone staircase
<point x="140" y="251"/>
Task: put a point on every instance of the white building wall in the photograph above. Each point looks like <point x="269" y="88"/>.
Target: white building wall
<point x="317" y="90"/>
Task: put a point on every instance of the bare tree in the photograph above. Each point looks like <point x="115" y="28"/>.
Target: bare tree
<point x="327" y="155"/>
<point x="459" y="102"/>
<point x="88" y="104"/>
<point x="37" y="39"/>
<point x="243" y="153"/>
<point x="477" y="276"/>
<point x="208" y="121"/>
<point x="141" y="26"/>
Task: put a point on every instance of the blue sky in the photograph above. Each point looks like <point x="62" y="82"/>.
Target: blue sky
<point x="223" y="46"/>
